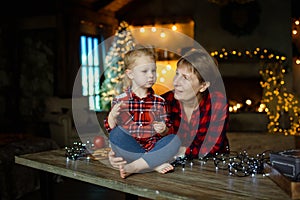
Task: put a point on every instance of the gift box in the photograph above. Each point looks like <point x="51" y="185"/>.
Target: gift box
<point x="287" y="162"/>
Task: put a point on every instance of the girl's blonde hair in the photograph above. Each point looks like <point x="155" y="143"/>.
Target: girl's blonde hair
<point x="130" y="58"/>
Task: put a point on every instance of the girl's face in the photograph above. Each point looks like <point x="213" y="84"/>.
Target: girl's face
<point x="143" y="72"/>
<point x="186" y="84"/>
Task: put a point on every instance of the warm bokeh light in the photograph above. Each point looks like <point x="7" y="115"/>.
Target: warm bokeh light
<point x="294" y="31"/>
<point x="162" y="34"/>
<point x="278" y="102"/>
<point x="174" y="27"/>
<point x="248" y="102"/>
<point x="165" y="72"/>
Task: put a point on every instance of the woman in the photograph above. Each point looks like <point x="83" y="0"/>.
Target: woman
<point x="198" y="107"/>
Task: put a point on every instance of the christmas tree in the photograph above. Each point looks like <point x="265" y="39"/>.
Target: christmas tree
<point x="114" y="65"/>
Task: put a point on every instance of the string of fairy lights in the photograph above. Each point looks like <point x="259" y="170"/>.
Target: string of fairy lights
<point x="256" y="54"/>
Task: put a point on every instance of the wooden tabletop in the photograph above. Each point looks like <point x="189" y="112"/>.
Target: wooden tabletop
<point x="194" y="182"/>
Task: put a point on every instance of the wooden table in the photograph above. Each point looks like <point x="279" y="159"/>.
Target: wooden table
<point x="194" y="182"/>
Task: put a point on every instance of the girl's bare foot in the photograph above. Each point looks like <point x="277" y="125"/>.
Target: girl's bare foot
<point x="136" y="166"/>
<point x="164" y="168"/>
<point x="140" y="165"/>
<point x="123" y="173"/>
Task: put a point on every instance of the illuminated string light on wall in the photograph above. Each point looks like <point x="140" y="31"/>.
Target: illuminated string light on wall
<point x="142" y="29"/>
<point x="153" y="29"/>
<point x="162" y="34"/>
<point x="186" y="28"/>
<point x="256" y="54"/>
<point x="174" y="27"/>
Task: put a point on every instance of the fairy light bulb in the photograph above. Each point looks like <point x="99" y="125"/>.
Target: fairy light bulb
<point x="174" y="27"/>
<point x="248" y="102"/>
<point x="162" y="34"/>
<point x="153" y="29"/>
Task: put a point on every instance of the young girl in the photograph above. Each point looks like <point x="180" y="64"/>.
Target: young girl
<point x="137" y="122"/>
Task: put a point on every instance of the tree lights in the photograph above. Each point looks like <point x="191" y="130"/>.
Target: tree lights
<point x="114" y="65"/>
<point x="279" y="103"/>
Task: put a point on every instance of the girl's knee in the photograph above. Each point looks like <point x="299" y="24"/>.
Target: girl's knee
<point x="114" y="134"/>
<point x="174" y="139"/>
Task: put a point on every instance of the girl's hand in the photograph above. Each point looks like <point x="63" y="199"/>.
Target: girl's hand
<point x="160" y="127"/>
<point x="113" y="114"/>
<point x="115" y="161"/>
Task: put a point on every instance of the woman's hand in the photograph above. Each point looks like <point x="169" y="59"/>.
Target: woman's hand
<point x="115" y="161"/>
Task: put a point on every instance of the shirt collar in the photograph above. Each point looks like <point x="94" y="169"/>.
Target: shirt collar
<point x="132" y="95"/>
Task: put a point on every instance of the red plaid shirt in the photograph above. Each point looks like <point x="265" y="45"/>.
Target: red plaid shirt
<point x="138" y="114"/>
<point x="206" y="132"/>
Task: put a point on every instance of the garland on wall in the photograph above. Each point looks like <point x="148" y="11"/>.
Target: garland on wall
<point x="256" y="55"/>
<point x="282" y="106"/>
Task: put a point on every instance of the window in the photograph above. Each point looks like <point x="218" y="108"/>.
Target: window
<point x="92" y="56"/>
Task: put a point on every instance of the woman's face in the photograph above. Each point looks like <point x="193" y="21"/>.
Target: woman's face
<point x="186" y="84"/>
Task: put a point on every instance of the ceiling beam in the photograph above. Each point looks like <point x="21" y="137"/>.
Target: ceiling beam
<point x="115" y="5"/>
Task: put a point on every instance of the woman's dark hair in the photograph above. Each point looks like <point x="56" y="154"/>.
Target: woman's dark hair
<point x="200" y="63"/>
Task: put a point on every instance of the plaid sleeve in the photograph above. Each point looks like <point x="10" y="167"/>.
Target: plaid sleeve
<point x="217" y="141"/>
<point x="166" y="112"/>
<point x="172" y="110"/>
<point x="211" y="135"/>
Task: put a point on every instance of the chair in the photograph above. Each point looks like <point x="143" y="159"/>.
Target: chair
<point x="70" y="120"/>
